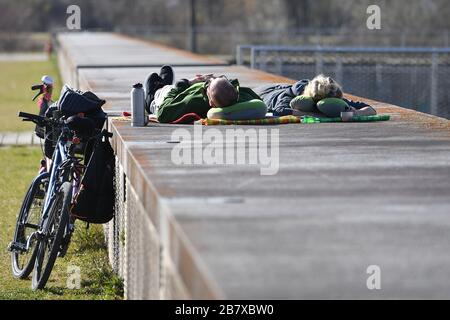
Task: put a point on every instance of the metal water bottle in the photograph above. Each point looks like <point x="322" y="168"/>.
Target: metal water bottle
<point x="138" y="106"/>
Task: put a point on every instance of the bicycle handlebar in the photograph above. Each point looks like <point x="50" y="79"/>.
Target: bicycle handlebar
<point x="43" y="121"/>
<point x="37" y="87"/>
<point x="31" y="117"/>
<point x="39" y="120"/>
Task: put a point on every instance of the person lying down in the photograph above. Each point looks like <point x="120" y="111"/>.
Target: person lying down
<point x="322" y="96"/>
<point x="203" y="96"/>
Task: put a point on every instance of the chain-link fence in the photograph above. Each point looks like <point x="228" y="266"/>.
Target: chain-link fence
<point x="415" y="78"/>
<point x="224" y="39"/>
<point x="133" y="245"/>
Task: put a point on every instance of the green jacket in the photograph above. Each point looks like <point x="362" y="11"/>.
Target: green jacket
<point x="185" y="99"/>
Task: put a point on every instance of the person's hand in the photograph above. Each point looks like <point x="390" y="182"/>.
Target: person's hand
<point x="201" y="78"/>
<point x="195" y="80"/>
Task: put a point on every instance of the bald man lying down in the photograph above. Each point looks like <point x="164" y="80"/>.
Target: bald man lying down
<point x="171" y="102"/>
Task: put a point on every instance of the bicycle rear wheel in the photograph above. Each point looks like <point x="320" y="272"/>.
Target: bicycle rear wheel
<point x="22" y="260"/>
<point x="50" y="244"/>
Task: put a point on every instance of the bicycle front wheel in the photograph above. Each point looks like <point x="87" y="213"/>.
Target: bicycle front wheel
<point x="23" y="258"/>
<point x="50" y="244"/>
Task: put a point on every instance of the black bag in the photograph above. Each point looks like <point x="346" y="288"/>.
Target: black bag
<point x="73" y="102"/>
<point x="94" y="203"/>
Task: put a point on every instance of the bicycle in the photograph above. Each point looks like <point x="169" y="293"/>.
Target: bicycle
<point x="32" y="204"/>
<point x="44" y="226"/>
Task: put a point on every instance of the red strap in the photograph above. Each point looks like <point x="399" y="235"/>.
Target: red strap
<point x="189" y="118"/>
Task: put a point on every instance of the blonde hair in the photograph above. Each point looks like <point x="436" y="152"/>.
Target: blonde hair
<point x="322" y="87"/>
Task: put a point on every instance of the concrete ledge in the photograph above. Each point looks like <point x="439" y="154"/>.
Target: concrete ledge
<point x="347" y="196"/>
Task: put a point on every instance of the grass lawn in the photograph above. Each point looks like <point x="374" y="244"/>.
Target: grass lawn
<point x="15" y="83"/>
<point x="87" y="251"/>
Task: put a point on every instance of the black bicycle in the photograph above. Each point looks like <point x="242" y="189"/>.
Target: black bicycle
<point x="44" y="226"/>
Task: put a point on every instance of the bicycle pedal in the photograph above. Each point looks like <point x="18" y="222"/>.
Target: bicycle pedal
<point x="17" y="247"/>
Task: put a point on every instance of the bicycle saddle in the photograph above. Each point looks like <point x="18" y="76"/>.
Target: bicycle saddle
<point x="83" y="127"/>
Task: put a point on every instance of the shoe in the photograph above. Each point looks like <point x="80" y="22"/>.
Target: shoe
<point x="152" y="84"/>
<point x="167" y="75"/>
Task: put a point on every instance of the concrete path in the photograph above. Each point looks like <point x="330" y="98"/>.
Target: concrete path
<point x="18" y="139"/>
<point x="23" y="57"/>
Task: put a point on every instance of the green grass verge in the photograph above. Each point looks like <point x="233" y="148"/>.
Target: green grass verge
<point x="87" y="251"/>
<point x="15" y="83"/>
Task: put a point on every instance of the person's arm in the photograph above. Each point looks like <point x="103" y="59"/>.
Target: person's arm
<point x="182" y="85"/>
<point x="361" y="108"/>
<point x="299" y="87"/>
<point x="283" y="104"/>
<point x="200" y="78"/>
<point x="282" y="111"/>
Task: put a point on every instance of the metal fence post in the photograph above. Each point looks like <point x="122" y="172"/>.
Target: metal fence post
<point x="279" y="65"/>
<point x="379" y="80"/>
<point x="239" y="55"/>
<point x="262" y="61"/>
<point x="339" y="71"/>
<point x="253" y="58"/>
<point x="319" y="63"/>
<point x="403" y="39"/>
<point x="434" y="83"/>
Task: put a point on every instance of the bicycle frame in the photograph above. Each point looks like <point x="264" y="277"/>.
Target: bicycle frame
<point x="59" y="157"/>
<point x="65" y="167"/>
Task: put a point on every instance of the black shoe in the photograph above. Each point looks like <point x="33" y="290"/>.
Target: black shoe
<point x="167" y="75"/>
<point x="152" y="84"/>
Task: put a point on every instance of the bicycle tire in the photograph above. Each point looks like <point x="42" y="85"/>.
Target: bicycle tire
<point x="57" y="225"/>
<point x="22" y="269"/>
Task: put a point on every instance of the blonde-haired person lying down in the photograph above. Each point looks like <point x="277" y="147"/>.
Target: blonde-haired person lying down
<point x="309" y="97"/>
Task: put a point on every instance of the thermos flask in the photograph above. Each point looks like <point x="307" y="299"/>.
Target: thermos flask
<point x="138" y="106"/>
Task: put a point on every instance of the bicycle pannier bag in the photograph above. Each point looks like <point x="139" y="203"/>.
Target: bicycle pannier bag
<point x="73" y="102"/>
<point x="94" y="203"/>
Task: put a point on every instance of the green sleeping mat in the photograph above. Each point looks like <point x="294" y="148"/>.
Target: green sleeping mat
<point x="309" y="119"/>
